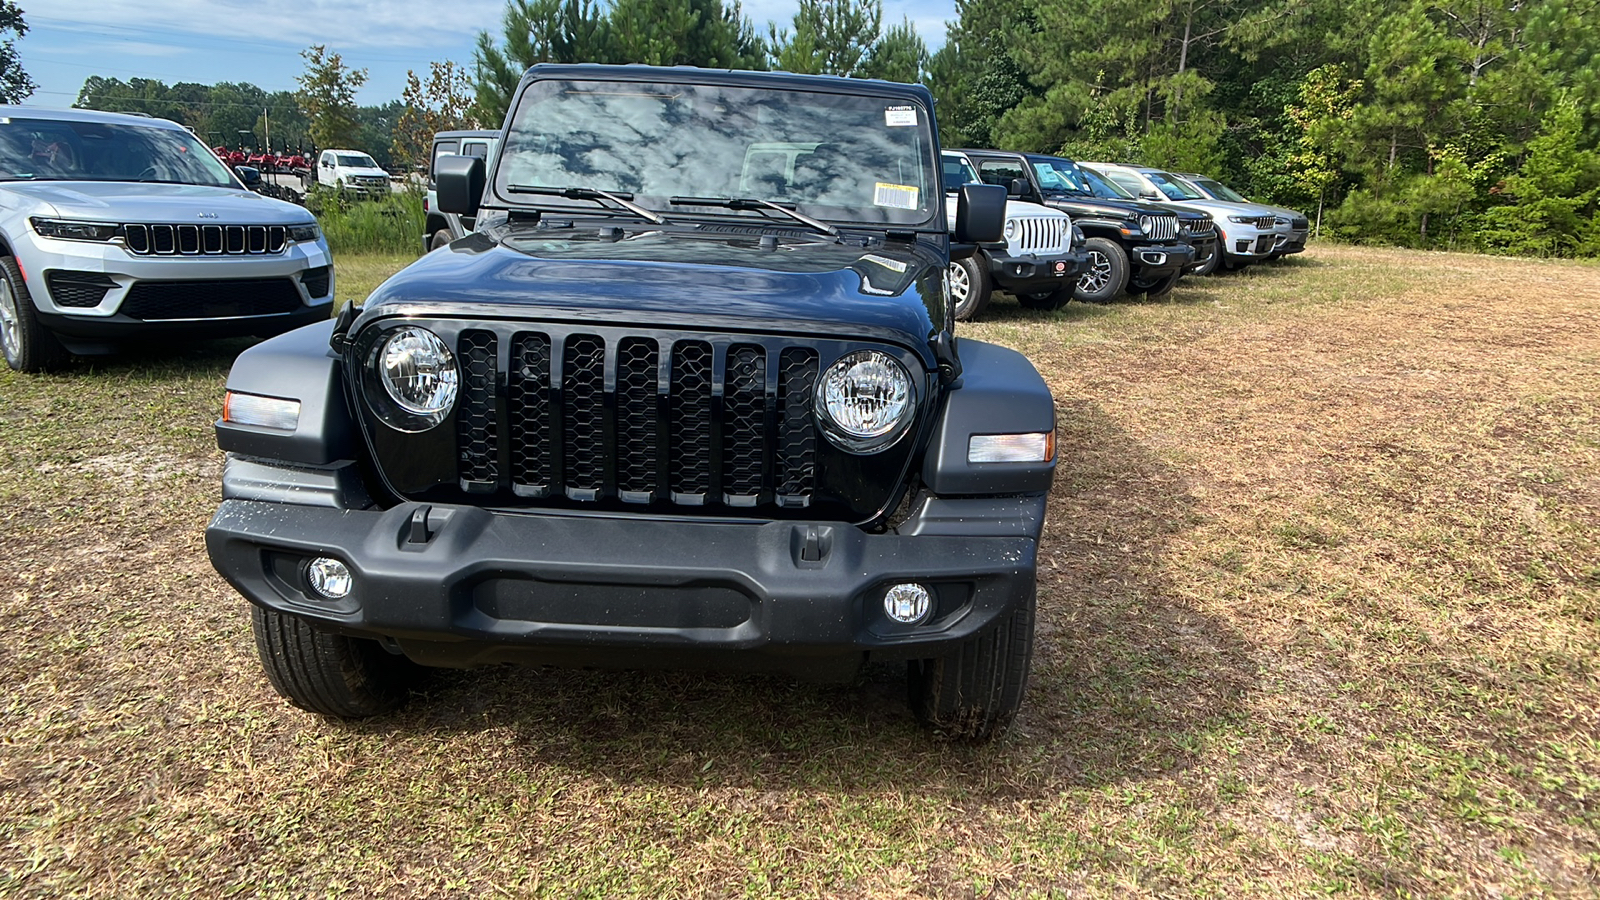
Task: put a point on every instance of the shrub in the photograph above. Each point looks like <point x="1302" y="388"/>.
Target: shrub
<point x="391" y="224"/>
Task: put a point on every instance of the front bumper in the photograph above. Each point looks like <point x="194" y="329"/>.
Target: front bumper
<point x="1293" y="242"/>
<point x="1205" y="247"/>
<point x="1249" y="243"/>
<point x="487" y="587"/>
<point x="1029" y="273"/>
<point x="97" y="334"/>
<point x="1160" y="260"/>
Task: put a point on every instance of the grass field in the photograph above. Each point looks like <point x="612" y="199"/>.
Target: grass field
<point x="1318" y="615"/>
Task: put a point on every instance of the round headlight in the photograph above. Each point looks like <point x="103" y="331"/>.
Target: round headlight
<point x="1147" y="224"/>
<point x="1011" y="229"/>
<point x="418" y="373"/>
<point x="865" y="401"/>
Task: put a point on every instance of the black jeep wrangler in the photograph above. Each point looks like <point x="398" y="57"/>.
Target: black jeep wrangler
<point x="689" y="396"/>
<point x="1143" y="248"/>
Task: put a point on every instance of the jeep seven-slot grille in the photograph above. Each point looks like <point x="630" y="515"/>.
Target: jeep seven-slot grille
<point x="1039" y="234"/>
<point x="205" y="240"/>
<point x="1199" y="226"/>
<point x="637" y="419"/>
<point x="1163" y="228"/>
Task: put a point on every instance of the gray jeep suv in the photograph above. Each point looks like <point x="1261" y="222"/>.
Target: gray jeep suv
<point x="116" y="228"/>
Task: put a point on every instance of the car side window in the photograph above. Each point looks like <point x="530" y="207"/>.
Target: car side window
<point x="477" y="149"/>
<point x="1130" y="183"/>
<point x="1001" y="173"/>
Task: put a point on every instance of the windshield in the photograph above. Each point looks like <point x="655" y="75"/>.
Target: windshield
<point x="1060" y="175"/>
<point x="357" y="161"/>
<point x="54" y="150"/>
<point x="1105" y="188"/>
<point x="831" y="156"/>
<point x="1218" y="190"/>
<point x="1173" y="186"/>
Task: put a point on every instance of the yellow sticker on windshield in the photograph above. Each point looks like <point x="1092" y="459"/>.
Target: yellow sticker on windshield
<point x="895" y="196"/>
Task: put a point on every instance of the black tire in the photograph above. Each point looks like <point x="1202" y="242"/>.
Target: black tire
<point x="1046" y="300"/>
<point x="1234" y="263"/>
<point x="440" y="238"/>
<point x="27" y="345"/>
<point x="331" y="674"/>
<point x="1210" y="265"/>
<point x="970" y="289"/>
<point x="974" y="693"/>
<point x="1106" y="275"/>
<point x="1156" y="287"/>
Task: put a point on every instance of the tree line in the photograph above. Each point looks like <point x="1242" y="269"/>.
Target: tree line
<point x="1463" y="124"/>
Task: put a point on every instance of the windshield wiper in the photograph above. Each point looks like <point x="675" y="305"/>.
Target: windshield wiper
<point x="753" y="203"/>
<point x="582" y="193"/>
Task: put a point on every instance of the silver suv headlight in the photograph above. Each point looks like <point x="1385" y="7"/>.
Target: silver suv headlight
<point x="69" y="230"/>
<point x="419" y="374"/>
<point x="306" y="233"/>
<point x="865" y="401"/>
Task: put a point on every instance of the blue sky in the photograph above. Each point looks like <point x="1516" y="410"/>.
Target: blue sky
<point x="207" y="41"/>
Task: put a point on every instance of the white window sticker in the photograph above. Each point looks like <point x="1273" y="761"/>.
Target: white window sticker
<point x="895" y="196"/>
<point x="900" y="116"/>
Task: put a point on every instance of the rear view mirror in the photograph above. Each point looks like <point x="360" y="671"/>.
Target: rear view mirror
<point x="980" y="214"/>
<point x="460" y="184"/>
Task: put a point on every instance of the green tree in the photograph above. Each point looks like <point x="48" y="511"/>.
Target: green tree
<point x="536" y="31"/>
<point x="15" y="85"/>
<point x="328" y="97"/>
<point x="899" y="55"/>
<point x="442" y="103"/>
<point x="829" y="37"/>
<point x="1555" y="194"/>
<point x="706" y="33"/>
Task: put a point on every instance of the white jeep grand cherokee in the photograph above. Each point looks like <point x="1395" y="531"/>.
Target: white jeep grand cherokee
<point x="117" y="228"/>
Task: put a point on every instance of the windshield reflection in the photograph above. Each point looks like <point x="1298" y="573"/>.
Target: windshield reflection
<point x="54" y="150"/>
<point x="831" y="156"/>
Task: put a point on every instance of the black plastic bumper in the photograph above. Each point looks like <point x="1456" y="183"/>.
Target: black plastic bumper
<point x="490" y="587"/>
<point x="1032" y="273"/>
<point x="1158" y="260"/>
<point x="117" y="329"/>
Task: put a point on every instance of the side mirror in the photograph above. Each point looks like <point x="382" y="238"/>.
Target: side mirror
<point x="1148" y="194"/>
<point x="1017" y="188"/>
<point x="980" y="214"/>
<point x="460" y="180"/>
<point x="250" y="175"/>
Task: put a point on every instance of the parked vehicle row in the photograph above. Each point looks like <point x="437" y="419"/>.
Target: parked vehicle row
<point x="1135" y="229"/>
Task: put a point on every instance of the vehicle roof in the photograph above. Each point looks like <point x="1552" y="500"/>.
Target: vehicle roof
<point x="87" y="115"/>
<point x="738" y="77"/>
<point x="483" y="133"/>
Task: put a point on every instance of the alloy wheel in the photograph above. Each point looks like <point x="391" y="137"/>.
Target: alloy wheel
<point x="1098" y="274"/>
<point x="10" y="321"/>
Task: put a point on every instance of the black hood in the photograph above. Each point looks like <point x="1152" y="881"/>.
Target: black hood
<point x="1087" y="205"/>
<point x="710" y="277"/>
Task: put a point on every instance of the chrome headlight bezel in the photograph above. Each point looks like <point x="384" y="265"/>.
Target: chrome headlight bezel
<point x="415" y="407"/>
<point x="830" y="398"/>
<point x="1147" y="224"/>
<point x="1011" y="229"/>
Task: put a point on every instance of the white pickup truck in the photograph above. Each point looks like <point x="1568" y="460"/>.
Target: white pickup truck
<point x="350" y="171"/>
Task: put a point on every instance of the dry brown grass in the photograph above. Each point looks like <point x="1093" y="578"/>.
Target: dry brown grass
<point x="1318" y="615"/>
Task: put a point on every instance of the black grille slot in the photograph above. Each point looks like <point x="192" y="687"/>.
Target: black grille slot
<point x="78" y="290"/>
<point x="194" y="240"/>
<point x="583" y="385"/>
<point x="529" y="398"/>
<point x="638" y="419"/>
<point x="744" y="429"/>
<point x="316" y="281"/>
<point x="475" y="420"/>
<point x="797" y="439"/>
<point x="210" y="299"/>
<point x="616" y="418"/>
<point x="690" y="457"/>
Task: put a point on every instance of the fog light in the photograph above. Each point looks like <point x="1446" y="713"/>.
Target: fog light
<point x="329" y="577"/>
<point x="908" y="603"/>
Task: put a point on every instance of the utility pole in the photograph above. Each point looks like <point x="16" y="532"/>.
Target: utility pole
<point x="266" y="126"/>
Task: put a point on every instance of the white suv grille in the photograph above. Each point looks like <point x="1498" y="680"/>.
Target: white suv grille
<point x="1040" y="234"/>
